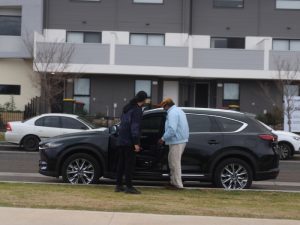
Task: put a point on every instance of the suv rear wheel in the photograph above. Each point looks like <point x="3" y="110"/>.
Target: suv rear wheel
<point x="81" y="168"/>
<point x="233" y="173"/>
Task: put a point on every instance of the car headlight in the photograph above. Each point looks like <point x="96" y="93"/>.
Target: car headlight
<point x="297" y="138"/>
<point x="50" y="145"/>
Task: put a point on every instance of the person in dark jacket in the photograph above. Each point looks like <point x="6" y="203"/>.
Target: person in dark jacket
<point x="129" y="142"/>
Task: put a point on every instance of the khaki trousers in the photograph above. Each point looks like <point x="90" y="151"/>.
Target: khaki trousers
<point x="174" y="158"/>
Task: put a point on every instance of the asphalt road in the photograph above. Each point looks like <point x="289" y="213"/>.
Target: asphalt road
<point x="17" y="165"/>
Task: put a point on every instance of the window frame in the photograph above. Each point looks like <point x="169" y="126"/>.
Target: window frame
<point x="147" y="37"/>
<point x="227" y="41"/>
<point x="19" y="33"/>
<point x="135" y="88"/>
<point x="83" y="95"/>
<point x="84" y="36"/>
<point x="284" y="39"/>
<point x="275" y="6"/>
<point x="242" y="127"/>
<point x="228" y="7"/>
<point x="14" y="86"/>
<point x="148" y="3"/>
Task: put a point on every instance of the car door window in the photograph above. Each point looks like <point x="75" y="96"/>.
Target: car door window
<point x="199" y="123"/>
<point x="48" y="121"/>
<point x="228" y="125"/>
<point x="152" y="124"/>
<point x="70" y="123"/>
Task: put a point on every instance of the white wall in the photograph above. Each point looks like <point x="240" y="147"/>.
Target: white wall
<point x="19" y="72"/>
<point x="258" y="43"/>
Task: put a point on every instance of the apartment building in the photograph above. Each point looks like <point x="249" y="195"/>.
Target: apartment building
<point x="18" y="21"/>
<point x="202" y="53"/>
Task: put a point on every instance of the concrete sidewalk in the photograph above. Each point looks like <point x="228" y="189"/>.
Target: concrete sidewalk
<point x="20" y="216"/>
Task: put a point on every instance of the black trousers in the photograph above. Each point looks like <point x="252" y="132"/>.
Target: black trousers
<point x="126" y="165"/>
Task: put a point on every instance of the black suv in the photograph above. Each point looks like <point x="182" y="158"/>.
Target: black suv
<point x="227" y="148"/>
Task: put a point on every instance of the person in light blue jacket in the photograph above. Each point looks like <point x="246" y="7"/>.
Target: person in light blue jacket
<point x="176" y="135"/>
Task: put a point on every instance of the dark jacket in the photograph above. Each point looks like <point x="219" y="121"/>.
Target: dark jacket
<point x="130" y="127"/>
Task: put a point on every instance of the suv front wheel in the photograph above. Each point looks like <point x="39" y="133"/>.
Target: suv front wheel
<point x="233" y="173"/>
<point x="81" y="168"/>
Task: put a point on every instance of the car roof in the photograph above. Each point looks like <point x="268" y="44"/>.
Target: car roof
<point x="59" y="114"/>
<point x="209" y="111"/>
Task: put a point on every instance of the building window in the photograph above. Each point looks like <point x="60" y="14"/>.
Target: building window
<point x="10" y="25"/>
<point x="85" y="0"/>
<point x="220" y="42"/>
<point x="82" y="92"/>
<point x="83" y="37"/>
<point x="149" y="1"/>
<point x="147" y="39"/>
<point x="143" y="85"/>
<point x="10" y="89"/>
<point x="229" y="3"/>
<point x="286" y="45"/>
<point x="231" y="95"/>
<point x="287" y="4"/>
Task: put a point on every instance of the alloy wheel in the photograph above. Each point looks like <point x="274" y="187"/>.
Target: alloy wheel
<point x="234" y="176"/>
<point x="80" y="171"/>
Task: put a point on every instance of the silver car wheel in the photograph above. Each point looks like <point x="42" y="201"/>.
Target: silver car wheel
<point x="284" y="151"/>
<point x="80" y="171"/>
<point x="234" y="176"/>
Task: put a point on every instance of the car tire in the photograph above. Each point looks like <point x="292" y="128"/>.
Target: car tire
<point x="31" y="143"/>
<point x="285" y="150"/>
<point x="81" y="168"/>
<point x="233" y="173"/>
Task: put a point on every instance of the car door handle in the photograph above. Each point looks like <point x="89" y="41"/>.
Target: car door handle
<point x="213" y="142"/>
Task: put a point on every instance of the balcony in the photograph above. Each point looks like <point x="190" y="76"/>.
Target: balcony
<point x="173" y="61"/>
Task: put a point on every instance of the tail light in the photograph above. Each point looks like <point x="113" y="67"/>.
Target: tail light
<point x="8" y="127"/>
<point x="268" y="137"/>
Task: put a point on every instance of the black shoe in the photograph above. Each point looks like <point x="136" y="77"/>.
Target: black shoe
<point x="119" y="188"/>
<point x="132" y="190"/>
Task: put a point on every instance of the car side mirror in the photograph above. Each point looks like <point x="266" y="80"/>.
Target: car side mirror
<point x="114" y="130"/>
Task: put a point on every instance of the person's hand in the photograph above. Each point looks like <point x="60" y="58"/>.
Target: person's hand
<point x="160" y="141"/>
<point x="137" y="148"/>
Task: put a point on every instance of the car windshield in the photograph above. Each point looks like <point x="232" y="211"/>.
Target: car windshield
<point x="87" y="122"/>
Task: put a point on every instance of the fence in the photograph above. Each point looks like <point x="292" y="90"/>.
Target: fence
<point x="9" y="116"/>
<point x="33" y="108"/>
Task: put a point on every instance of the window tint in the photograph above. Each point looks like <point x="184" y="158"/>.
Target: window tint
<point x="70" y="123"/>
<point x="220" y="42"/>
<point x="147" y="39"/>
<point x="48" y="121"/>
<point x="83" y="37"/>
<point x="287" y="4"/>
<point x="151" y="124"/>
<point x="228" y="125"/>
<point x="149" y="1"/>
<point x="229" y="3"/>
<point x="199" y="123"/>
<point x="10" y="89"/>
<point x="10" y="25"/>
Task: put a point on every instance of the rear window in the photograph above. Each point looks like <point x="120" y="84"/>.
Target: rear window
<point x="256" y="126"/>
<point x="228" y="125"/>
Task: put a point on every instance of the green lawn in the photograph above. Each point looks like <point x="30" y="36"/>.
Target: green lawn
<point x="206" y="202"/>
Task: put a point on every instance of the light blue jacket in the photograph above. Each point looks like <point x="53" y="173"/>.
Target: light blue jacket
<point x="176" y="127"/>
